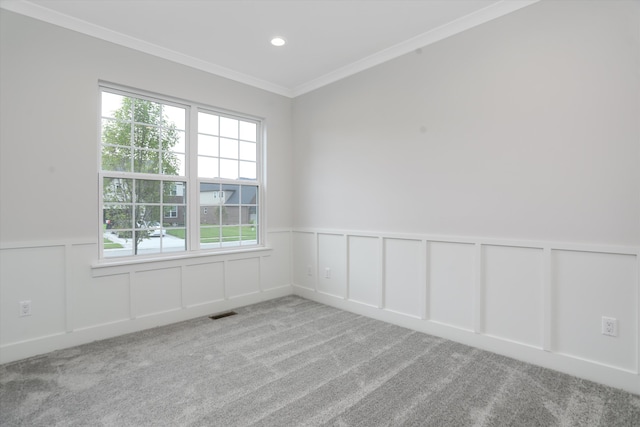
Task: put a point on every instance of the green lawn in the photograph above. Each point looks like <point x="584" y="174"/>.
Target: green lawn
<point x="108" y="244"/>
<point x="212" y="234"/>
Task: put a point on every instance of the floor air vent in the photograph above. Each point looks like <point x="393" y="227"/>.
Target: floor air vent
<point x="221" y="315"/>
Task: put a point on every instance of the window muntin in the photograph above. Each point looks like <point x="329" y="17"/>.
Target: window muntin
<point x="132" y="210"/>
<point x="146" y="208"/>
<point x="227" y="151"/>
<point x="142" y="136"/>
<point x="228" y="215"/>
<point x="227" y="147"/>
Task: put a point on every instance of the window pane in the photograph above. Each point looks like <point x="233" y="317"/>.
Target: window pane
<point x="175" y="116"/>
<point x="116" y="159"/>
<point x="147" y="112"/>
<point x="207" y="145"/>
<point x="179" y="146"/>
<point x="228" y="148"/>
<point x="118" y="217"/>
<point x="111" y="103"/>
<point x="116" y="132"/>
<point x="210" y="215"/>
<point x="146" y="161"/>
<point x="174" y="241"/>
<point x="146" y="136"/>
<point x="147" y="216"/>
<point x="253" y="215"/>
<point x="173" y="164"/>
<point x="249" y="195"/>
<point x="210" y="237"/>
<point x="113" y="246"/>
<point x="228" y="169"/>
<point x="144" y="244"/>
<point x="231" y="236"/>
<point x="248" y="131"/>
<point x="209" y="193"/>
<point x="246" y="216"/>
<point x="117" y="190"/>
<point x="230" y="215"/>
<point x="248" y="151"/>
<point x="207" y="167"/>
<point x="231" y="194"/>
<point x="147" y="191"/>
<point x="228" y="127"/>
<point x="249" y="235"/>
<point x="208" y="123"/>
<point x="174" y="216"/>
<point x="174" y="192"/>
<point x="248" y="170"/>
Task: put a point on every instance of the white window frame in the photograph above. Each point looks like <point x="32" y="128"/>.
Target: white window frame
<point x="192" y="232"/>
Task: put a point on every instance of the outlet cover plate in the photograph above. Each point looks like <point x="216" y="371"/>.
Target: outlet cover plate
<point x="25" y="308"/>
<point x="610" y="326"/>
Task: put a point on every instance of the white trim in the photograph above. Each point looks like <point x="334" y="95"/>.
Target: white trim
<point x="484" y="241"/>
<point x="459" y="25"/>
<point x="547" y="300"/>
<point x="478" y="289"/>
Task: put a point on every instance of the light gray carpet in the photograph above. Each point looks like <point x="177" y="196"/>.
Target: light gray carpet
<point x="293" y="362"/>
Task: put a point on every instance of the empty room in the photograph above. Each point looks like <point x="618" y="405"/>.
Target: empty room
<point x="301" y="213"/>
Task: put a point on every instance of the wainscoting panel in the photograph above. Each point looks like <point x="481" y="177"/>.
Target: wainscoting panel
<point x="156" y="291"/>
<point x="94" y="300"/>
<point x="365" y="282"/>
<point x="275" y="268"/>
<point x="402" y="267"/>
<point x="589" y="285"/>
<point x="332" y="265"/>
<point x="203" y="283"/>
<point x="541" y="302"/>
<point x="75" y="300"/>
<point x="36" y="275"/>
<point x="242" y="277"/>
<point x="512" y="294"/>
<point x="304" y="259"/>
<point x="451" y="281"/>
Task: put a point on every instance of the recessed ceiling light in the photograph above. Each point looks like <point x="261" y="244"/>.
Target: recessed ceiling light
<point x="278" y="41"/>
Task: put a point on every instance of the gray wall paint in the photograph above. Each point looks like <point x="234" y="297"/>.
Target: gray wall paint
<point x="49" y="132"/>
<point x="525" y="127"/>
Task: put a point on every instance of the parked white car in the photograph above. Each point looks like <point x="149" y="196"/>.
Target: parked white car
<point x="156" y="230"/>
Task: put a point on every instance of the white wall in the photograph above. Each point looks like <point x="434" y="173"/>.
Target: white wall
<point x="487" y="187"/>
<point x="49" y="209"/>
<point x="523" y="127"/>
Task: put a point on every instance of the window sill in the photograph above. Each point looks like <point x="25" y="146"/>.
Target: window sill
<point x="108" y="267"/>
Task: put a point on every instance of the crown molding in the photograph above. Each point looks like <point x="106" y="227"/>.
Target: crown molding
<point x="449" y="29"/>
<point x="481" y="16"/>
<point x="35" y="11"/>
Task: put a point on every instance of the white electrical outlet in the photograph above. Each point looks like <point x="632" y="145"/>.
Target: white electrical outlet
<point x="609" y="326"/>
<point x="25" y="308"/>
<point x="309" y="270"/>
<point x="327" y="273"/>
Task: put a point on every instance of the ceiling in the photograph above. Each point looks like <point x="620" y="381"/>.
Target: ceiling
<point x="326" y="40"/>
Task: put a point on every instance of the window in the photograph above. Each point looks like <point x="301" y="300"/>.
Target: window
<point x="227" y="150"/>
<point x="155" y="199"/>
